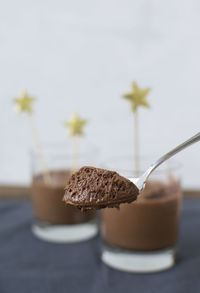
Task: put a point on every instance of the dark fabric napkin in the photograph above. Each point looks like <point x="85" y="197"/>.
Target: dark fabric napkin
<point x="28" y="265"/>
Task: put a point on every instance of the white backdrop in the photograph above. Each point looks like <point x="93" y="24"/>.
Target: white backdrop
<point x="82" y="55"/>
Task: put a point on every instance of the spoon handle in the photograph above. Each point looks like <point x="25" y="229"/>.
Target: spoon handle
<point x="168" y="155"/>
<point x="177" y="149"/>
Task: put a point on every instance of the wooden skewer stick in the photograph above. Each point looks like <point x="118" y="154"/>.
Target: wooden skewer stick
<point x="75" y="126"/>
<point x="24" y="104"/>
<point x="136" y="144"/>
<point x="137" y="97"/>
<point x="45" y="172"/>
<point x="75" y="155"/>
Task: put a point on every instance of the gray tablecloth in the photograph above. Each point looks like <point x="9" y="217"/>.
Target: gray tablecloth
<point x="28" y="265"/>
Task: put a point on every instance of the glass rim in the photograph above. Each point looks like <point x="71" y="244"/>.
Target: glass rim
<point x="61" y="149"/>
<point x="170" y="164"/>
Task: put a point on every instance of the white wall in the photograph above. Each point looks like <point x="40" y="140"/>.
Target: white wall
<point x="82" y="55"/>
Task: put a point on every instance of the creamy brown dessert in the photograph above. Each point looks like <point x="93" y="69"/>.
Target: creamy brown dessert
<point x="47" y="201"/>
<point x="95" y="188"/>
<point x="150" y="223"/>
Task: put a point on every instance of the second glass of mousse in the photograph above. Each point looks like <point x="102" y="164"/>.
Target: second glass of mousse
<point x="142" y="236"/>
<point x="53" y="220"/>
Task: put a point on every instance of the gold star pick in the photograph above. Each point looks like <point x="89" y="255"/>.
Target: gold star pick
<point x="75" y="125"/>
<point x="137" y="97"/>
<point x="24" y="103"/>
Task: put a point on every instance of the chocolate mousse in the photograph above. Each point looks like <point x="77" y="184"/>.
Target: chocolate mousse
<point x="150" y="223"/>
<point x="95" y="188"/>
<point x="47" y="201"/>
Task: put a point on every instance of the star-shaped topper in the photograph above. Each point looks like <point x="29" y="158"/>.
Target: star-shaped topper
<point x="24" y="103"/>
<point x="75" y="125"/>
<point x="137" y="97"/>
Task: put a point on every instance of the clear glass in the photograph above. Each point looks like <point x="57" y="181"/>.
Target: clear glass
<point x="54" y="221"/>
<point x="142" y="236"/>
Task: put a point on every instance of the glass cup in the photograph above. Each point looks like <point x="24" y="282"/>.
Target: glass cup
<point x="142" y="236"/>
<point x="53" y="220"/>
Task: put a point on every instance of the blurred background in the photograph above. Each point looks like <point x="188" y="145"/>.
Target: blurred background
<point x="82" y="56"/>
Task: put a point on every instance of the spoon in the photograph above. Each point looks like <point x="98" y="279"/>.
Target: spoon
<point x="95" y="188"/>
<point x="141" y="181"/>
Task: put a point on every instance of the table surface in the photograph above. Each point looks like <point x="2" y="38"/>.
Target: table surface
<point x="30" y="265"/>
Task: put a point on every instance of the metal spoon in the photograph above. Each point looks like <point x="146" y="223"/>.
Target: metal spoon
<point x="94" y="188"/>
<point x="141" y="181"/>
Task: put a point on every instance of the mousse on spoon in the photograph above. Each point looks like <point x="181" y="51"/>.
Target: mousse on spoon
<point x="95" y="188"/>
